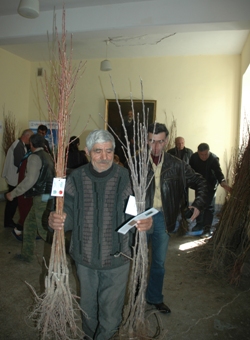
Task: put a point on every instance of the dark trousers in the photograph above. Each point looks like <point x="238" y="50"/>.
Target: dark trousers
<point x="205" y="219"/>
<point x="10" y="210"/>
<point x="102" y="299"/>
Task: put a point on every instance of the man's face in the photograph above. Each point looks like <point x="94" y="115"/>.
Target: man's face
<point x="26" y="138"/>
<point x="203" y="155"/>
<point x="42" y="132"/>
<point x="157" y="143"/>
<point x="101" y="156"/>
<point x="31" y="147"/>
<point x="180" y="143"/>
<point x="130" y="116"/>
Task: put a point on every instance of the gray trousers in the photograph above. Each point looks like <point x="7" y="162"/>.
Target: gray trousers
<point x="102" y="299"/>
<point x="35" y="222"/>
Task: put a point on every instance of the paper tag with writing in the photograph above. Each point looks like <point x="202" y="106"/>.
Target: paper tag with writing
<point x="131" y="223"/>
<point x="58" y="187"/>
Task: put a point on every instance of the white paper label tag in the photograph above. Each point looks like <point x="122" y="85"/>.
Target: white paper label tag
<point x="131" y="208"/>
<point x="131" y="223"/>
<point x="58" y="187"/>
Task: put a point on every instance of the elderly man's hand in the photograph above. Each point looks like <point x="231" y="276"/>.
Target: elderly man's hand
<point x="144" y="225"/>
<point x="8" y="196"/>
<point x="56" y="221"/>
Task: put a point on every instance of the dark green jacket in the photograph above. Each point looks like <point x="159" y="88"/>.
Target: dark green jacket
<point x="95" y="210"/>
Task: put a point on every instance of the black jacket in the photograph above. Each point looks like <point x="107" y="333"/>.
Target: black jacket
<point x="44" y="182"/>
<point x="187" y="153"/>
<point x="209" y="169"/>
<point x="176" y="176"/>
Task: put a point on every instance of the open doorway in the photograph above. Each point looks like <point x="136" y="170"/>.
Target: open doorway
<point x="245" y="106"/>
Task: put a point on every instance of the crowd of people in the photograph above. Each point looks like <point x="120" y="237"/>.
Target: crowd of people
<point x="96" y="192"/>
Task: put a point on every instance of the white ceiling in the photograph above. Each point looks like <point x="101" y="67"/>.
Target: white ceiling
<point x="142" y="28"/>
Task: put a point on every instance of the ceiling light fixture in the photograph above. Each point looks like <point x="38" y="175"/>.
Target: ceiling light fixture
<point x="105" y="64"/>
<point x="28" y="8"/>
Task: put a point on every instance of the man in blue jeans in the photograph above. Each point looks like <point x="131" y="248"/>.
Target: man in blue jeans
<point x="168" y="178"/>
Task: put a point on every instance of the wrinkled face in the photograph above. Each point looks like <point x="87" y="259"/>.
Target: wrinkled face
<point x="101" y="156"/>
<point x="42" y="133"/>
<point x="157" y="143"/>
<point x="180" y="143"/>
<point x="203" y="155"/>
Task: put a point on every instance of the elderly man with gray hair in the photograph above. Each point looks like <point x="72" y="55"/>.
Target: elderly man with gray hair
<point x="10" y="172"/>
<point x="94" y="205"/>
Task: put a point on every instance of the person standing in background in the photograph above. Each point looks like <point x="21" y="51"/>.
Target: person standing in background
<point x="42" y="130"/>
<point x="180" y="151"/>
<point x="183" y="153"/>
<point x="24" y="203"/>
<point x="37" y="183"/>
<point x="207" y="164"/>
<point x="76" y="157"/>
<point x="10" y="172"/>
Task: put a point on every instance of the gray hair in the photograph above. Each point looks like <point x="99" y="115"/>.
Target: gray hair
<point x="27" y="132"/>
<point x="99" y="136"/>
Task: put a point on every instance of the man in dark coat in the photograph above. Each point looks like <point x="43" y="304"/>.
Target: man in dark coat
<point x="183" y="153"/>
<point x="168" y="178"/>
<point x="180" y="151"/>
<point x="207" y="164"/>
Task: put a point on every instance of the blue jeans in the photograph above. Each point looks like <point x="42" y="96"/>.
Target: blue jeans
<point x="159" y="242"/>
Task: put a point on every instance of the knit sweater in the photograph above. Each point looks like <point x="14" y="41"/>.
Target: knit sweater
<point x="95" y="210"/>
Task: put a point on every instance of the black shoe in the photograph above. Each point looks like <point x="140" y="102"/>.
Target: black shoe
<point x="18" y="237"/>
<point x="207" y="232"/>
<point x="161" y="307"/>
<point x="19" y="227"/>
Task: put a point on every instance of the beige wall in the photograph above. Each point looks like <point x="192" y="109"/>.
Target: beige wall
<point x="202" y="93"/>
<point x="14" y="94"/>
<point x="245" y="56"/>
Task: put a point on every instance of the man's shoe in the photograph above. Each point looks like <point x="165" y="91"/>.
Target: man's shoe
<point x="18" y="237"/>
<point x="161" y="307"/>
<point x="207" y="232"/>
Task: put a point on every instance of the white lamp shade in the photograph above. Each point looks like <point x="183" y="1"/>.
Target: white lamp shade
<point x="105" y="65"/>
<point x="29" y="8"/>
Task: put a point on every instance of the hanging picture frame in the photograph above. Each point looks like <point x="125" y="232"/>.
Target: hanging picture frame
<point x="113" y="120"/>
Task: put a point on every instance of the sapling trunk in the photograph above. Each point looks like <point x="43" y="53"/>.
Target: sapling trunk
<point x="57" y="310"/>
